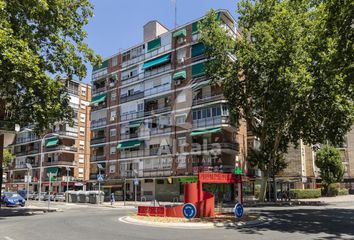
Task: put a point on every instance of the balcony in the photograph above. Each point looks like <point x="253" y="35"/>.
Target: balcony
<point x="137" y="95"/>
<point x="26" y="139"/>
<point x="99" y="106"/>
<point x="54" y="163"/>
<point x="212" y="121"/>
<point x="156" y="90"/>
<point x="67" y="133"/>
<point x="211" y="168"/>
<point x="148" y="172"/>
<point x="98" y="90"/>
<point x="129" y="116"/>
<point x="98" y="140"/>
<point x="158" y="110"/>
<point x="165" y="68"/>
<point x="157" y="131"/>
<point x="196" y="147"/>
<point x="98" y="157"/>
<point x="98" y="123"/>
<point x="207" y="99"/>
<point x="62" y="148"/>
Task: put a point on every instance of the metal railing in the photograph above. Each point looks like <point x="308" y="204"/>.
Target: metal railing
<point x="211" y="168"/>
<point x="98" y="157"/>
<point x="211" y="121"/>
<point x="62" y="148"/>
<point x="207" y="99"/>
<point x="98" y="90"/>
<point x="97" y="140"/>
<point x="129" y="116"/>
<point x="53" y="163"/>
<point x="158" y="110"/>
<point x="149" y="73"/>
<point x="98" y="123"/>
<point x="196" y="147"/>
<point x="158" y="89"/>
<point x="137" y="95"/>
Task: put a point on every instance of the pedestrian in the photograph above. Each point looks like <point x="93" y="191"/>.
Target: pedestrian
<point x="112" y="199"/>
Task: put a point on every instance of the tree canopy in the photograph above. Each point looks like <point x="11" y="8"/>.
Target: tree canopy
<point x="42" y="43"/>
<point x="284" y="73"/>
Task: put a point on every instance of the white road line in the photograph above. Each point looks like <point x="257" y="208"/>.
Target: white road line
<point x="8" y="238"/>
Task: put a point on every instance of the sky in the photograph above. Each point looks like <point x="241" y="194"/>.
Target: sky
<point x="118" y="24"/>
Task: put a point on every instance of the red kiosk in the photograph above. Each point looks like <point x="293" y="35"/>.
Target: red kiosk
<point x="193" y="193"/>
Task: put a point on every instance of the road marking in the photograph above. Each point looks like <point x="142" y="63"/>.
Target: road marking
<point x="8" y="238"/>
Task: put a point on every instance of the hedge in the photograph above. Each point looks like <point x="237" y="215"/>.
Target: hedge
<point x="306" y="193"/>
<point x="343" y="191"/>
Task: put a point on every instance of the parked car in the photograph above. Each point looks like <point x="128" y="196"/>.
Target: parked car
<point x="42" y="194"/>
<point x="46" y="197"/>
<point x="59" y="197"/>
<point x="23" y="194"/>
<point x="11" y="199"/>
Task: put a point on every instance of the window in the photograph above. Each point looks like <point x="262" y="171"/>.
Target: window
<point x="180" y="119"/>
<point x="112" y="169"/>
<point x="130" y="92"/>
<point x="112" y="132"/>
<point x="81" y="158"/>
<point x="181" y="141"/>
<point x="113" y="96"/>
<point x="81" y="175"/>
<point x="81" y="170"/>
<point x="82" y="144"/>
<point x="113" y="150"/>
<point x="181" y="55"/>
<point x="83" y="91"/>
<point x="181" y="98"/>
<point x="113" y="115"/>
<point x="82" y="117"/>
<point x="82" y="131"/>
<point x="114" y="61"/>
<point x="140" y="107"/>
<point x="181" y="162"/>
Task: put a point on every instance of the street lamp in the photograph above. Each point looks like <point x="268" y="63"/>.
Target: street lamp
<point x="136" y="182"/>
<point x="29" y="167"/>
<point x="100" y="167"/>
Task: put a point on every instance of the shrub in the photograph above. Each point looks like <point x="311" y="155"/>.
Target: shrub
<point x="343" y="191"/>
<point x="306" y="193"/>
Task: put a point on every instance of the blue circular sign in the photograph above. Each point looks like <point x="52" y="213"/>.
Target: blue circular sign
<point x="238" y="210"/>
<point x="189" y="210"/>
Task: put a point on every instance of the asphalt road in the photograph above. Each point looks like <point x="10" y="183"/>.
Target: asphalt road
<point x="319" y="223"/>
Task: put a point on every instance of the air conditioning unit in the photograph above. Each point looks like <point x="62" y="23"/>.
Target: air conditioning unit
<point x="181" y="40"/>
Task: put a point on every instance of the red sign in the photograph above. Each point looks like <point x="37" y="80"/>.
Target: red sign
<point x="217" y="178"/>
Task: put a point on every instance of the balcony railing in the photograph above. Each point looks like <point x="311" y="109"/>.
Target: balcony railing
<point x="137" y="95"/>
<point x="196" y="147"/>
<point x="54" y="163"/>
<point x="26" y="139"/>
<point x="97" y="140"/>
<point x="99" y="123"/>
<point x="210" y="168"/>
<point x="155" y="71"/>
<point x="148" y="172"/>
<point x="98" y="90"/>
<point x="211" y="121"/>
<point x="158" y="89"/>
<point x="207" y="99"/>
<point x="158" y="110"/>
<point x="67" y="133"/>
<point x="140" y="153"/>
<point x="62" y="148"/>
<point x="129" y="116"/>
<point x="98" y="157"/>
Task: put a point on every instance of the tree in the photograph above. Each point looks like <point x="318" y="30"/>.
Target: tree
<point x="42" y="43"/>
<point x="7" y="158"/>
<point x="329" y="161"/>
<point x="277" y="83"/>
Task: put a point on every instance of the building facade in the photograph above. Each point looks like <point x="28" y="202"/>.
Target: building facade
<point x="156" y="118"/>
<point x="66" y="151"/>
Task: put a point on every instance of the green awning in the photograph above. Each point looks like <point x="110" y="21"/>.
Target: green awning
<point x="134" y="124"/>
<point x="52" y="142"/>
<point x="157" y="61"/>
<point x="195" y="27"/>
<point x="188" y="179"/>
<point x="99" y="98"/>
<point x="198" y="69"/>
<point x="198" y="49"/>
<point x="152" y="45"/>
<point x="52" y="170"/>
<point x="180" y="75"/>
<point x="129" y="144"/>
<point x="205" y="131"/>
<point x="180" y="33"/>
<point x="200" y="85"/>
<point x="103" y="65"/>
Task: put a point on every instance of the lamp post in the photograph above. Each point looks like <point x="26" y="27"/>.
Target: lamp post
<point x="29" y="167"/>
<point x="100" y="167"/>
<point x="67" y="183"/>
<point x="135" y="184"/>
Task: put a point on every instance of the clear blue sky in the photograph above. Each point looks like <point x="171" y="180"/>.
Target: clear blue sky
<point x="118" y="24"/>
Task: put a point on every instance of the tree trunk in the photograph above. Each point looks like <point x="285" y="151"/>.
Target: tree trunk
<point x="264" y="183"/>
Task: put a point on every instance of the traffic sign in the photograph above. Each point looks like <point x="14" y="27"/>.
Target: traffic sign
<point x="238" y="171"/>
<point x="189" y="210"/>
<point x="136" y="182"/>
<point x="100" y="177"/>
<point x="238" y="210"/>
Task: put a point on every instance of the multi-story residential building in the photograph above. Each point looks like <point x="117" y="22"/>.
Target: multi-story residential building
<point x="347" y="153"/>
<point x="66" y="151"/>
<point x="156" y="117"/>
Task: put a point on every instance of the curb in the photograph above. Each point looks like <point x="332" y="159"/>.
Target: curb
<point x="130" y="220"/>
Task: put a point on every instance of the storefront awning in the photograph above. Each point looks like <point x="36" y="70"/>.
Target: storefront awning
<point x="129" y="144"/>
<point x="52" y="142"/>
<point x="180" y="75"/>
<point x="180" y="33"/>
<point x="157" y="61"/>
<point x="205" y="131"/>
<point x="135" y="124"/>
<point x="99" y="98"/>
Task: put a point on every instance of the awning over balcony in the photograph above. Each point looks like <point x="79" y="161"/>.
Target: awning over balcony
<point x="52" y="170"/>
<point x="154" y="44"/>
<point x="99" y="98"/>
<point x="180" y="33"/>
<point x="198" y="69"/>
<point x="157" y="61"/>
<point x="205" y="131"/>
<point x="54" y="141"/>
<point x="135" y="124"/>
<point x="129" y="144"/>
<point x="180" y="75"/>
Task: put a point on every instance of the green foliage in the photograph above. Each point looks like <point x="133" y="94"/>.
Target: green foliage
<point x="329" y="161"/>
<point x="306" y="193"/>
<point x="285" y="82"/>
<point x="7" y="157"/>
<point x="343" y="191"/>
<point x="42" y="43"/>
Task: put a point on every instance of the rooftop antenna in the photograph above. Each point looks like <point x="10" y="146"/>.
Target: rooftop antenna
<point x="175" y="5"/>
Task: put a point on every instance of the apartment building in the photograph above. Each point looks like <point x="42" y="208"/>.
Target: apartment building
<point x="347" y="153"/>
<point x="66" y="151"/>
<point x="156" y="118"/>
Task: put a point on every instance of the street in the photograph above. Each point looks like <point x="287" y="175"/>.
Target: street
<point x="335" y="221"/>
